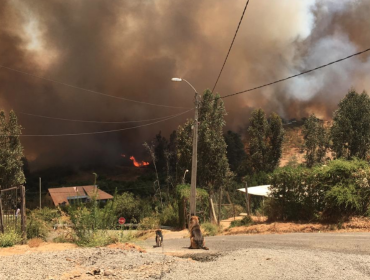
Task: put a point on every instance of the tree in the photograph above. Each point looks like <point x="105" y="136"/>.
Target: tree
<point x="315" y="140"/>
<point x="275" y="141"/>
<point x="235" y="151"/>
<point x="265" y="141"/>
<point x="213" y="167"/>
<point x="11" y="152"/>
<point x="350" y="132"/>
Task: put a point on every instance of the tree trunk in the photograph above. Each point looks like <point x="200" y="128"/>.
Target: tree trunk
<point x="212" y="210"/>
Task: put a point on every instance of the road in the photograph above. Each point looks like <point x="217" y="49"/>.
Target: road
<point x="286" y="256"/>
<point x="352" y="243"/>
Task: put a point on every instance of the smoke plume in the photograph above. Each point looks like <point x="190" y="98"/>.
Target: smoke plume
<point x="132" y="49"/>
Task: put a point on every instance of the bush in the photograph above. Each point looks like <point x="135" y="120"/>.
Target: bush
<point x="170" y="215"/>
<point x="36" y="228"/>
<point x="210" y="229"/>
<point x="95" y="239"/>
<point x="151" y="222"/>
<point x="10" y="238"/>
<point x="246" y="221"/>
<point x="336" y="190"/>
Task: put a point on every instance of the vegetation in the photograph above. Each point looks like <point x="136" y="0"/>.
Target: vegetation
<point x="350" y="132"/>
<point x="11" y="151"/>
<point x="316" y="140"/>
<point x="331" y="191"/>
<point x="246" y="221"/>
<point x="10" y="238"/>
<point x="265" y="143"/>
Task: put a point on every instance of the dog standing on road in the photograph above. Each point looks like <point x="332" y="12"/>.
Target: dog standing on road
<point x="196" y="237"/>
<point x="158" y="238"/>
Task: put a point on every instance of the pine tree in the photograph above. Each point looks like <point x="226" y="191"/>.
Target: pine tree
<point x="11" y="152"/>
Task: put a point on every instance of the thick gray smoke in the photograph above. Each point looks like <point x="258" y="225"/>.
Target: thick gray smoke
<point x="133" y="48"/>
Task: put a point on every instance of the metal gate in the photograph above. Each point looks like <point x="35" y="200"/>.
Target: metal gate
<point x="13" y="210"/>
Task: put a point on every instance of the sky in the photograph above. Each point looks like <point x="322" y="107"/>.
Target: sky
<point x="132" y="49"/>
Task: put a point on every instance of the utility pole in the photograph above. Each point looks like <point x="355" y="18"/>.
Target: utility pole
<point x="40" y="190"/>
<point x="247" y="199"/>
<point x="194" y="159"/>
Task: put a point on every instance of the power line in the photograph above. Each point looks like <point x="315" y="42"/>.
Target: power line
<point x="89" y="90"/>
<point x="101" y="132"/>
<point x="89" y="121"/>
<point x="232" y="43"/>
<point x="302" y="73"/>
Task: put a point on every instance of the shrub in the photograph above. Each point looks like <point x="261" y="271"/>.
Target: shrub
<point x="210" y="229"/>
<point x="246" y="221"/>
<point x="95" y="239"/>
<point x="10" y="238"/>
<point x="36" y="228"/>
<point x="336" y="190"/>
<point x="151" y="222"/>
<point x="169" y="215"/>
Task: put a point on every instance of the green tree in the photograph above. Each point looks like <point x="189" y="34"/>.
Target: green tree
<point x="315" y="140"/>
<point x="350" y="132"/>
<point x="265" y="141"/>
<point x="11" y="151"/>
<point x="235" y="151"/>
<point x="275" y="138"/>
<point x="213" y="167"/>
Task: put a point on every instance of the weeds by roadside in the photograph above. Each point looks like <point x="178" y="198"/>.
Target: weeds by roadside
<point x="10" y="238"/>
<point x="246" y="221"/>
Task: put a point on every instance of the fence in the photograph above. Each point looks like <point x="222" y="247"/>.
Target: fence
<point x="13" y="210"/>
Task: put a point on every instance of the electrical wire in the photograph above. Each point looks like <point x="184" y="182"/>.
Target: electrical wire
<point x="101" y="132"/>
<point x="232" y="43"/>
<point x="91" y="91"/>
<point x="89" y="121"/>
<point x="291" y="77"/>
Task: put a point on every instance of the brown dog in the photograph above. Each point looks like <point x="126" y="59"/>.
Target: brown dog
<point x="196" y="237"/>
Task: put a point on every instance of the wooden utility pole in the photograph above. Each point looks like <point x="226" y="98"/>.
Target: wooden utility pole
<point x="219" y="207"/>
<point x="194" y="160"/>
<point x="40" y="190"/>
<point x="247" y="199"/>
<point x="1" y="216"/>
<point x="23" y="213"/>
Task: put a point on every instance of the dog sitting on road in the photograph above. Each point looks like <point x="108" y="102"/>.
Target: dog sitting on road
<point x="196" y="237"/>
<point x="158" y="238"/>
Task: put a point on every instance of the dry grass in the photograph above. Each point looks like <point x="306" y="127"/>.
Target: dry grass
<point x="355" y="224"/>
<point x="35" y="242"/>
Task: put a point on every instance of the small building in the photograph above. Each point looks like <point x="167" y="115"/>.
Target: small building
<point x="72" y="195"/>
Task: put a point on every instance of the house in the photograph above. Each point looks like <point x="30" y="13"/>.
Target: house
<point x="72" y="195"/>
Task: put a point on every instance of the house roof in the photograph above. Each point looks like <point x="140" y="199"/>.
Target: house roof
<point x="60" y="195"/>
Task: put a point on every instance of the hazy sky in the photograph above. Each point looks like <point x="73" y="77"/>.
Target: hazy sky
<point x="132" y="49"/>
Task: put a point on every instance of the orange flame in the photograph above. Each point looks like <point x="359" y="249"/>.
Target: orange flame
<point x="138" y="164"/>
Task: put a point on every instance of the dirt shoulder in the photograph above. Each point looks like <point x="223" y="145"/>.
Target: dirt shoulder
<point x="356" y="224"/>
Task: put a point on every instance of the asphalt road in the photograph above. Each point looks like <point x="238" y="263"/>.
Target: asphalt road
<point x="274" y="256"/>
<point x="352" y="243"/>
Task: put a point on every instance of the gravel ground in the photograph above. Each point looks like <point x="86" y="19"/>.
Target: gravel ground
<point x="253" y="263"/>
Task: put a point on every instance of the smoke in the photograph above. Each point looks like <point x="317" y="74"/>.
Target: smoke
<point x="132" y="49"/>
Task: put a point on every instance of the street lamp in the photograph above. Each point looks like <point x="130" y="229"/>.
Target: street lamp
<point x="195" y="150"/>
